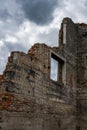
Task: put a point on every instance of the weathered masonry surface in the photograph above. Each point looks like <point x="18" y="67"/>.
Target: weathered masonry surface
<point x="46" y="89"/>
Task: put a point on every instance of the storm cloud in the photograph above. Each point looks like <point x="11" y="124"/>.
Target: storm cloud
<point x="4" y="14"/>
<point x="39" y="11"/>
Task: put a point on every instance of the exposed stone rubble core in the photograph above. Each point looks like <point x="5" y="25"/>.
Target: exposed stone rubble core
<point x="31" y="100"/>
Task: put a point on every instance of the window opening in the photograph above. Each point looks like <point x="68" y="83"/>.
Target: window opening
<point x="56" y="73"/>
<point x="54" y="69"/>
<point x="64" y="33"/>
<point x="86" y="61"/>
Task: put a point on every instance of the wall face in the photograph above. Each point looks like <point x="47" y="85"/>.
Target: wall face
<point x="30" y="100"/>
<point x="82" y="76"/>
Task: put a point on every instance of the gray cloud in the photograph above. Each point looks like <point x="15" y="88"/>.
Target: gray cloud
<point x="11" y="11"/>
<point x="39" y="11"/>
<point x="4" y="14"/>
<point x="15" y="47"/>
<point x="51" y="38"/>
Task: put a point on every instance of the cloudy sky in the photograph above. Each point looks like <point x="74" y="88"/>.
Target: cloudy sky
<point x="25" y="22"/>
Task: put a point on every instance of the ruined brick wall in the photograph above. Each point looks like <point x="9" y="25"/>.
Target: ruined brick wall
<point x="31" y="100"/>
<point x="82" y="76"/>
<point x="1" y="77"/>
<point x="69" y="52"/>
<point x="69" y="28"/>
